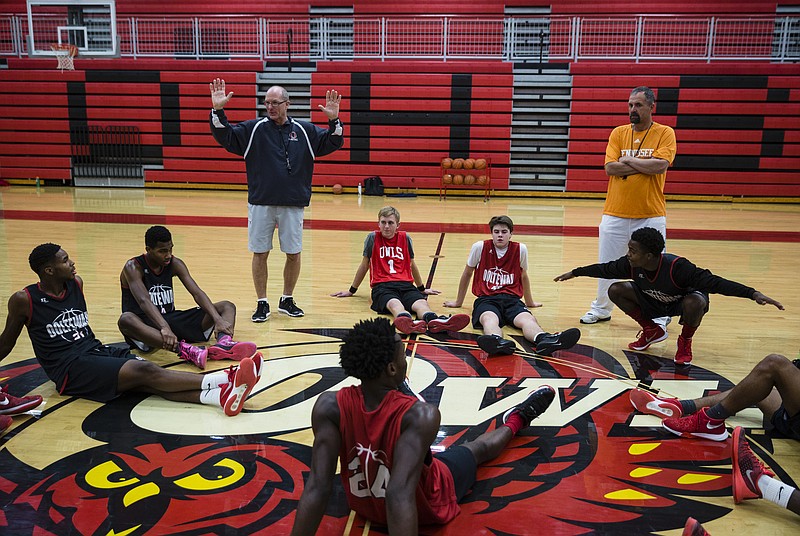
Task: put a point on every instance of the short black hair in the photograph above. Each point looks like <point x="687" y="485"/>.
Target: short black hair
<point x="501" y="220"/>
<point x="156" y="234"/>
<point x="650" y="239"/>
<point x="42" y="255"/>
<point x="368" y="348"/>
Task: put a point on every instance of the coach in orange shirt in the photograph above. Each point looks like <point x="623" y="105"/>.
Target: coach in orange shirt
<point x="637" y="158"/>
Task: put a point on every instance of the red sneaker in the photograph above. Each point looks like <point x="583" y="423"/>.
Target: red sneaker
<point x="648" y="336"/>
<point x="227" y="348"/>
<point x="697" y="425"/>
<point x="13" y="405"/>
<point x="646" y="402"/>
<point x="451" y="323"/>
<point x="747" y="469"/>
<point x="233" y="395"/>
<point x="406" y="324"/>
<point x="5" y="422"/>
<point x="684" y="354"/>
<point x="694" y="528"/>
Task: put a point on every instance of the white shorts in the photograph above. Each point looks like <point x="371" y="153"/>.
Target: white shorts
<point x="261" y="223"/>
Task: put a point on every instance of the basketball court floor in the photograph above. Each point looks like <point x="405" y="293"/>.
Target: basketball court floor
<point x="589" y="465"/>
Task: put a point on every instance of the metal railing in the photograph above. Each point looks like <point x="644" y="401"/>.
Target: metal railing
<point x="512" y="38"/>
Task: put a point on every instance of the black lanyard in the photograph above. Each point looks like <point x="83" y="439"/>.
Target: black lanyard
<point x="641" y="144"/>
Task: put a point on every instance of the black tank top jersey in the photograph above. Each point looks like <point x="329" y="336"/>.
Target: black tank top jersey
<point x="159" y="286"/>
<point x="59" y="328"/>
<point x="661" y="286"/>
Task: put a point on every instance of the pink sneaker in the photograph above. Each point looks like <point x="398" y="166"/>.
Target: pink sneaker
<point x="13" y="405"/>
<point x="697" y="425"/>
<point x="684" y="354"/>
<point x="648" y="336"/>
<point x="406" y="324"/>
<point x="196" y="355"/>
<point x="233" y="395"/>
<point x="227" y="348"/>
<point x="747" y="469"/>
<point x="646" y="402"/>
<point x="451" y="323"/>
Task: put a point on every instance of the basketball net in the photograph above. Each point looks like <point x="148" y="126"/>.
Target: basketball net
<point x="64" y="54"/>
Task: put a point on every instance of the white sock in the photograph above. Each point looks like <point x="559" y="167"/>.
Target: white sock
<point x="212" y="380"/>
<point x="774" y="490"/>
<point x="284" y="296"/>
<point x="210" y="397"/>
<point x="265" y="300"/>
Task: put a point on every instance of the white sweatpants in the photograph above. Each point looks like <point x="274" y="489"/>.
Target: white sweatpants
<point x="615" y="233"/>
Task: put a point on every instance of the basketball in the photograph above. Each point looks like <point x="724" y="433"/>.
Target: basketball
<point x="480" y="163"/>
<point x="337" y="189"/>
<point x="447" y="163"/>
<point x="469" y="163"/>
<point x="458" y="179"/>
<point x="483" y="180"/>
<point x="447" y="178"/>
<point x="458" y="163"/>
<point x="469" y="179"/>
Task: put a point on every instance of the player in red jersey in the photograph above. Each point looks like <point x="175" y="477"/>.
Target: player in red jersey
<point x="382" y="438"/>
<point x="397" y="286"/>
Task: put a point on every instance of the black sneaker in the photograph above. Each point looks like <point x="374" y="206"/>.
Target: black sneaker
<point x="288" y="307"/>
<point x="534" y="405"/>
<point x="495" y="345"/>
<point x="262" y="312"/>
<point x="563" y="340"/>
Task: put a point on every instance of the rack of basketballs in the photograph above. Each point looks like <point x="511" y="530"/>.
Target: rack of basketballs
<point x="466" y="173"/>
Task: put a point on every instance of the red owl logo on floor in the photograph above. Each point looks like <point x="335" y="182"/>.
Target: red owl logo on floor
<point x="584" y="466"/>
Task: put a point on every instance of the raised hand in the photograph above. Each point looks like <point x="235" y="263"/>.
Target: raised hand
<point x="218" y="97"/>
<point x="332" y="100"/>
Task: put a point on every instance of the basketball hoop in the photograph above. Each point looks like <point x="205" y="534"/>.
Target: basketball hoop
<point x="64" y="54"/>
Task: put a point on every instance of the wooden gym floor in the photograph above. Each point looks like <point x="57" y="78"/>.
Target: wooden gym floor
<point x="589" y="465"/>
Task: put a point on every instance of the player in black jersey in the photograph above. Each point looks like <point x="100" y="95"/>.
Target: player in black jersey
<point x="663" y="285"/>
<point x="54" y="311"/>
<point x="149" y="319"/>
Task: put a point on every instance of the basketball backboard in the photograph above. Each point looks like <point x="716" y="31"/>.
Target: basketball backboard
<point x="90" y="25"/>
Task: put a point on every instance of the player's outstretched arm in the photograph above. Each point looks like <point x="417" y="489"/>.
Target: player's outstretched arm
<point x="566" y="276"/>
<point x="362" y="270"/>
<point x="463" y="284"/>
<point x="763" y="299"/>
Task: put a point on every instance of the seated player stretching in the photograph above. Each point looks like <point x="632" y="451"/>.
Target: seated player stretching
<point x="500" y="268"/>
<point x="149" y="319"/>
<point x="662" y="284"/>
<point x="396" y="283"/>
<point x="55" y="314"/>
<point x="382" y="439"/>
<point x="774" y="386"/>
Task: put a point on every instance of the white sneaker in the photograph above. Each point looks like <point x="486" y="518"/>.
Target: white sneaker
<point x="593" y="318"/>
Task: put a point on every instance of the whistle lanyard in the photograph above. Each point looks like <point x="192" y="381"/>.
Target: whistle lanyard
<point x="641" y="144"/>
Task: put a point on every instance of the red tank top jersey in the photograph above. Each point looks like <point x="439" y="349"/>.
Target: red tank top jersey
<point x="498" y="276"/>
<point x="366" y="456"/>
<point x="390" y="260"/>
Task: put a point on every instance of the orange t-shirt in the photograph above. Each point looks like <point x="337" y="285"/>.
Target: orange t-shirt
<point x="639" y="195"/>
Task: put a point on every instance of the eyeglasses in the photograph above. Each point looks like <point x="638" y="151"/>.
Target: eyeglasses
<point x="274" y="103"/>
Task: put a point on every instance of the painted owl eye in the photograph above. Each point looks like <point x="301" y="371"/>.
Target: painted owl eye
<point x="221" y="474"/>
<point x="109" y="475"/>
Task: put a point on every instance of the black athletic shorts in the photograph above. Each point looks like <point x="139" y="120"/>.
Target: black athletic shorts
<point x="655" y="309"/>
<point x="404" y="291"/>
<point x="95" y="374"/>
<point x="187" y="326"/>
<point x="505" y="306"/>
<point x="785" y="424"/>
<point x="463" y="467"/>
